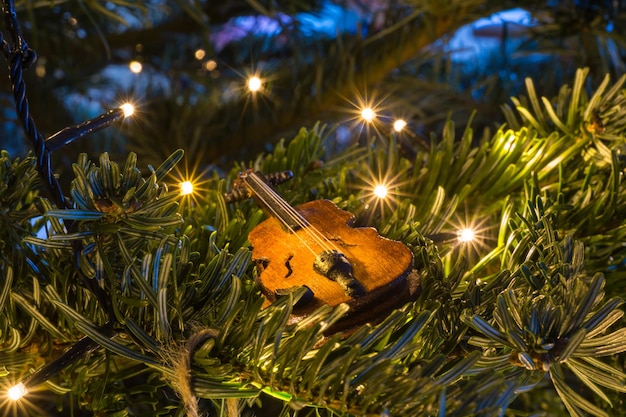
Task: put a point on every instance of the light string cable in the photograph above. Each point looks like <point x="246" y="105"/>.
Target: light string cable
<point x="20" y="56"/>
<point x="295" y="217"/>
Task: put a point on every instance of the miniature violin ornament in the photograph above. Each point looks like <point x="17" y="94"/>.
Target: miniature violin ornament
<point x="313" y="245"/>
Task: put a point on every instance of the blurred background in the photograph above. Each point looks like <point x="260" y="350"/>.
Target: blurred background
<point x="226" y="80"/>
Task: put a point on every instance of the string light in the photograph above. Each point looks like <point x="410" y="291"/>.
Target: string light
<point x="135" y="67"/>
<point x="128" y="109"/>
<point x="210" y="65"/>
<point x="72" y="133"/>
<point x="200" y="53"/>
<point x="398" y="125"/>
<point x="16" y="392"/>
<point x="186" y="188"/>
<point x="254" y="83"/>
<point x="465" y="235"/>
<point x="368" y="114"/>
<point x="367" y="110"/>
<point x="40" y="69"/>
<point x="380" y="191"/>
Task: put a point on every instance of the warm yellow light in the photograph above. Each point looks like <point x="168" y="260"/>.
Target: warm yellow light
<point x="200" y="53"/>
<point x="368" y="114"/>
<point x="16" y="392"/>
<point x="380" y="191"/>
<point x="128" y="109"/>
<point x="40" y="69"/>
<point x="186" y="188"/>
<point x="135" y="66"/>
<point x="398" y="125"/>
<point x="210" y="65"/>
<point x="465" y="235"/>
<point x="254" y="83"/>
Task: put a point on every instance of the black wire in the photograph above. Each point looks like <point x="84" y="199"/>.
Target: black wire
<point x="77" y="351"/>
<point x="20" y="57"/>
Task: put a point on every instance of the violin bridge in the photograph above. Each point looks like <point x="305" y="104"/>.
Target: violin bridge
<point x="334" y="265"/>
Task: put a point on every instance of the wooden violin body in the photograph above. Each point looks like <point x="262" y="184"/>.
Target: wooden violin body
<point x="317" y="247"/>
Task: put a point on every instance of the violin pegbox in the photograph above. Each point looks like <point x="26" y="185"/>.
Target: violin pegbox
<point x="240" y="190"/>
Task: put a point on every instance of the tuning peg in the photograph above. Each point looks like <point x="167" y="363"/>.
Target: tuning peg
<point x="277" y="178"/>
<point x="240" y="191"/>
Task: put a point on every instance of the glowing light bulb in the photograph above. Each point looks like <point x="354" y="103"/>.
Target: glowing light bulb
<point x="186" y="188"/>
<point x="398" y="125"/>
<point x="16" y="392"/>
<point x="368" y="114"/>
<point x="135" y="67"/>
<point x="200" y="53"/>
<point x="210" y="65"/>
<point x="254" y="83"/>
<point x="128" y="109"/>
<point x="465" y="235"/>
<point x="380" y="191"/>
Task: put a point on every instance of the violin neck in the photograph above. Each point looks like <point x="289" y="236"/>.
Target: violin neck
<point x="272" y="202"/>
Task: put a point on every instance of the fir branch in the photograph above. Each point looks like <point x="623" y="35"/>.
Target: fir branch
<point x="533" y="331"/>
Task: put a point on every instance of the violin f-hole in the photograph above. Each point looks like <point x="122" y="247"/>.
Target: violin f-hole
<point x="288" y="266"/>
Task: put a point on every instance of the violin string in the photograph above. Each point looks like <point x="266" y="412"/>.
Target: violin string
<point x="313" y="232"/>
<point x="277" y="215"/>
<point x="293" y="215"/>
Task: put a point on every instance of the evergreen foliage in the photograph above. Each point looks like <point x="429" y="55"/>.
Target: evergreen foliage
<point x="153" y="292"/>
